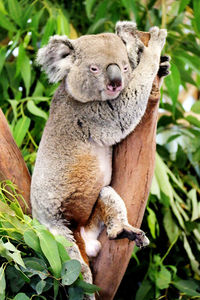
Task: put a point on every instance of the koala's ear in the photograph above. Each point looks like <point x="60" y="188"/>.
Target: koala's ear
<point x="56" y="57"/>
<point x="127" y="31"/>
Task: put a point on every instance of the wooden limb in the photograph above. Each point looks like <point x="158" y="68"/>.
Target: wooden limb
<point x="12" y="165"/>
<point x="133" y="167"/>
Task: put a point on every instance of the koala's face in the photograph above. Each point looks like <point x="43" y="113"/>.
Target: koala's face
<point x="94" y="67"/>
<point x="100" y="70"/>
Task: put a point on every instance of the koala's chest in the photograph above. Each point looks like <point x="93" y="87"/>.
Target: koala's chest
<point x="104" y="160"/>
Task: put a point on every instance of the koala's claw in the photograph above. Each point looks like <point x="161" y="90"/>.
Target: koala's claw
<point x="164" y="66"/>
<point x="133" y="234"/>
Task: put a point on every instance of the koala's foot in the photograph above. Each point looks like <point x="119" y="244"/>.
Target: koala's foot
<point x="164" y="66"/>
<point x="130" y="232"/>
<point x="92" y="245"/>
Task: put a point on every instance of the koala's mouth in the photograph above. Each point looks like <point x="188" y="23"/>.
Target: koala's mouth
<point x="110" y="92"/>
<point x="113" y="94"/>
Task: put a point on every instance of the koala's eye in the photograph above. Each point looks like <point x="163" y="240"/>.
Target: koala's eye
<point x="94" y="69"/>
<point x="126" y="68"/>
<point x="64" y="54"/>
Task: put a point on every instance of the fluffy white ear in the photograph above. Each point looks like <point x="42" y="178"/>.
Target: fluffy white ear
<point x="127" y="31"/>
<point x="56" y="57"/>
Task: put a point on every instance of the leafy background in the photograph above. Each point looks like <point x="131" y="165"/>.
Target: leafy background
<point x="169" y="267"/>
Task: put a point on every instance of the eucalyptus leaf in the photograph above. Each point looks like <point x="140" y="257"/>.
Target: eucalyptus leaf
<point x="32" y="240"/>
<point x="40" y="286"/>
<point x="189" y="287"/>
<point x="21" y="129"/>
<point x="75" y="293"/>
<point x="21" y="296"/>
<point x="163" y="278"/>
<point x="50" y="250"/>
<point x="70" y="271"/>
<point x="6" y="23"/>
<point x="48" y="31"/>
<point x="15" y="11"/>
<point x="2" y="283"/>
<point x="32" y="107"/>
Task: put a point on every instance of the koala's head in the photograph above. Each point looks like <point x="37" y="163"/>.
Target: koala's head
<point x="94" y="67"/>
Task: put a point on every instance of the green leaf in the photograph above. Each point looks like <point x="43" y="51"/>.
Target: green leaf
<point x="2" y="8"/>
<point x="155" y="190"/>
<point x="15" y="279"/>
<point x="5" y="209"/>
<point x="170" y="225"/>
<point x="89" y="5"/>
<point x="188" y="287"/>
<point x="62" y="248"/>
<point x="143" y="290"/>
<point x="32" y="240"/>
<point x="195" y="210"/>
<point x="194" y="263"/>
<point x="172" y="83"/>
<point x="152" y="222"/>
<point x="2" y="57"/>
<point x="14" y="104"/>
<point x="196" y="107"/>
<point x="75" y="293"/>
<point x="48" y="31"/>
<point x="36" y="110"/>
<point x="193" y="120"/>
<point x="21" y="296"/>
<point x="40" y="286"/>
<point x="196" y="7"/>
<point x="20" y="58"/>
<point x="5" y="23"/>
<point x="70" y="271"/>
<point x="36" y="266"/>
<point x="183" y="4"/>
<point x="47" y="241"/>
<point x="87" y="287"/>
<point x="63" y="27"/>
<point x="163" y="278"/>
<point x="26" y="73"/>
<point x="15" y="11"/>
<point x="21" y="129"/>
<point x="10" y="252"/>
<point x="2" y="283"/>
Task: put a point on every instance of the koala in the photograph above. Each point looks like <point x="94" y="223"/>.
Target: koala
<point x="106" y="80"/>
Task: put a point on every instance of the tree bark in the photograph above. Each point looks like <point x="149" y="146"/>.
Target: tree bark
<point x="12" y="165"/>
<point x="133" y="167"/>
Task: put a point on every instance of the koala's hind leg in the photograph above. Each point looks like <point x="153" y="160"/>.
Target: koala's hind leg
<point x="114" y="214"/>
<point x="110" y="208"/>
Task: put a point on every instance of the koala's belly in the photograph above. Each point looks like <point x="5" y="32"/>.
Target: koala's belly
<point x="89" y="172"/>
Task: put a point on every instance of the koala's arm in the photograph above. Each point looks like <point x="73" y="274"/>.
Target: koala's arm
<point x="110" y="121"/>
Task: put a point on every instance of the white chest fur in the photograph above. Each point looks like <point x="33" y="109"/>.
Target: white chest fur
<point x="104" y="156"/>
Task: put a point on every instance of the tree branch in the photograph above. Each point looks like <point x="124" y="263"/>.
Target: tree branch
<point x="12" y="165"/>
<point x="133" y="167"/>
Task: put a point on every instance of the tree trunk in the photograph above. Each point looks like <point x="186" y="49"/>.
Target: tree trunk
<point x="12" y="165"/>
<point x="133" y="167"/>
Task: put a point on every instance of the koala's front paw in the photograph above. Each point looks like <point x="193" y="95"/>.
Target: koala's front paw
<point x="130" y="232"/>
<point x="164" y="66"/>
<point x="157" y="39"/>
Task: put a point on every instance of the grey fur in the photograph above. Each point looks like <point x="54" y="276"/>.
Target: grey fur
<point x="84" y="118"/>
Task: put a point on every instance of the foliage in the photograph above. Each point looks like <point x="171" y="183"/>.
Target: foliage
<point x="28" y="269"/>
<point x="169" y="268"/>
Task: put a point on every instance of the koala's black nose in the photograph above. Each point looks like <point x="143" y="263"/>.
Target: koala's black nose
<point x="114" y="78"/>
